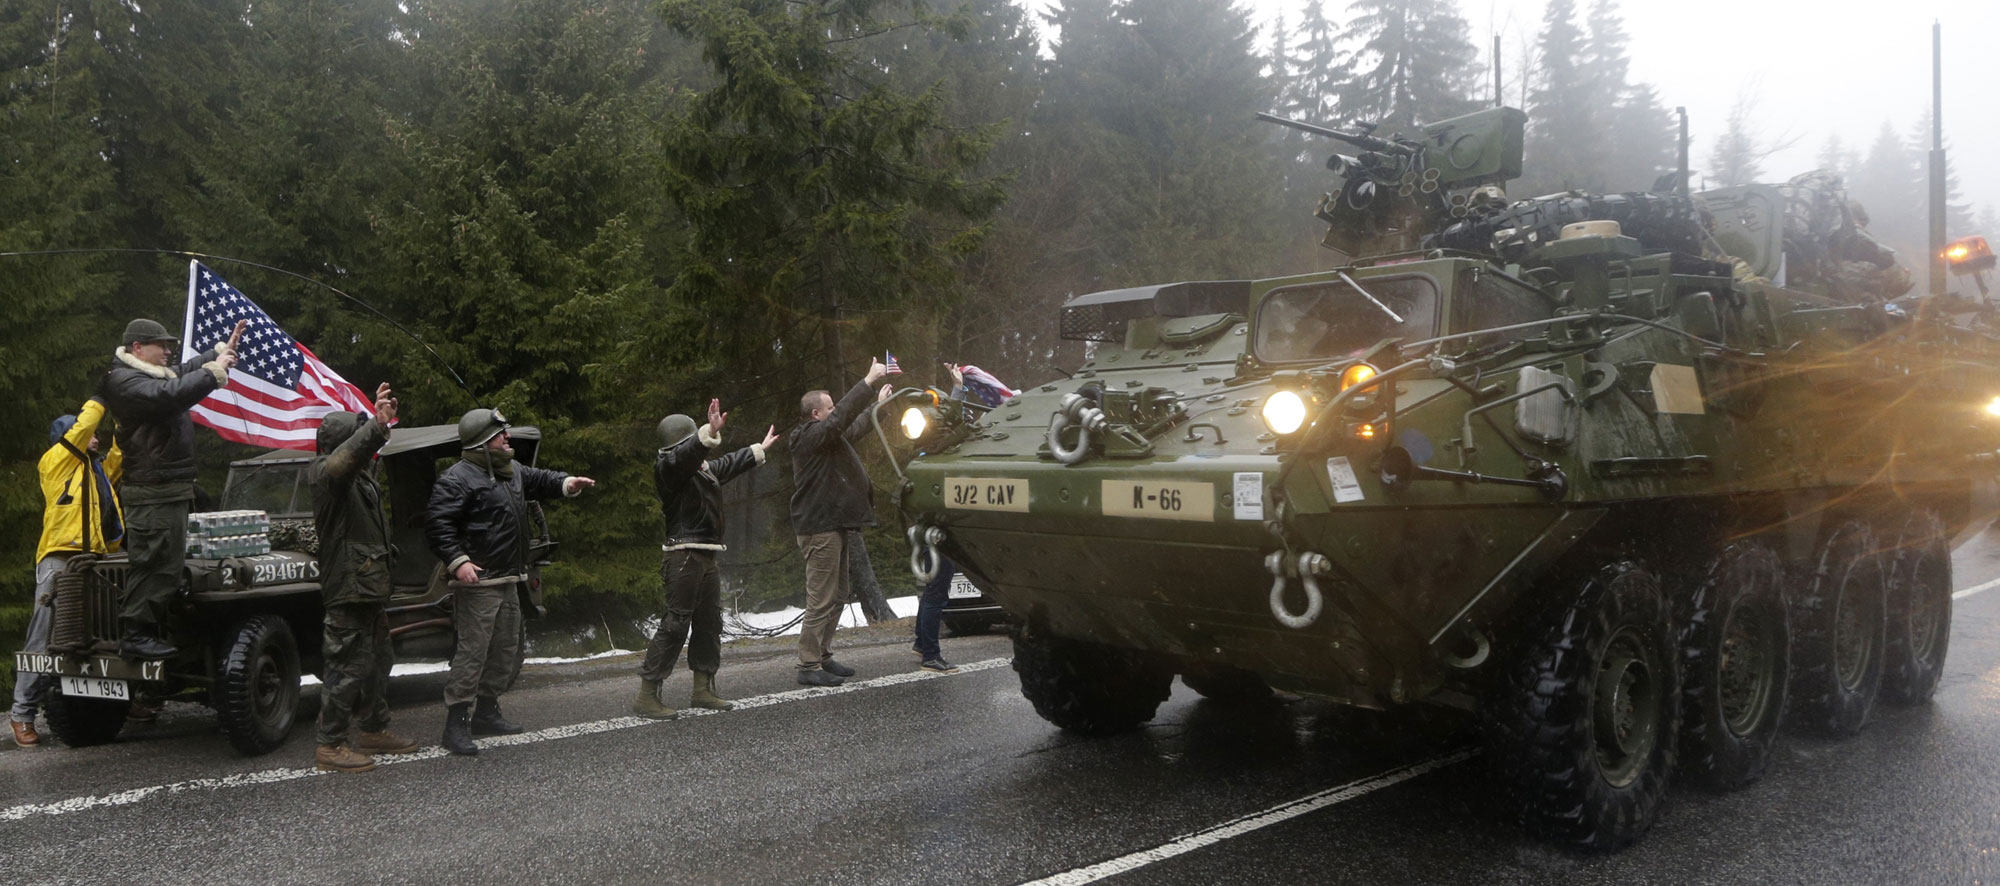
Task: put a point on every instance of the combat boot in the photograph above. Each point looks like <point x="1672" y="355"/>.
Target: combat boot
<point x="340" y="758"/>
<point x="486" y="720"/>
<point x="704" y="694"/>
<point x="456" y="737"/>
<point x="384" y="742"/>
<point x="647" y="703"/>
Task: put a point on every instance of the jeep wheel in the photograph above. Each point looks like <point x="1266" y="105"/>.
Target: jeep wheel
<point x="257" y="685"/>
<point x="1226" y="684"/>
<point x="1087" y="687"/>
<point x="1735" y="664"/>
<point x="1841" y="633"/>
<point x="1919" y="626"/>
<point x="1582" y="727"/>
<point x="82" y="722"/>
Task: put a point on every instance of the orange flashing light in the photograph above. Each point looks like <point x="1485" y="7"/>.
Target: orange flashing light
<point x="1968" y="250"/>
<point x="1365" y="432"/>
<point x="1356" y="374"/>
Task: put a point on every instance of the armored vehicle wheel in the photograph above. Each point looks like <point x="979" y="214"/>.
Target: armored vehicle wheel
<point x="1919" y="626"/>
<point x="1841" y="633"/>
<point x="256" y="695"/>
<point x="82" y="722"/>
<point x="1226" y="684"/>
<point x="1582" y="727"/>
<point x="1087" y="687"/>
<point x="1735" y="666"/>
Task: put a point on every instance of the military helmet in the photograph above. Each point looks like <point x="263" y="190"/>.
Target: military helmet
<point x="675" y="428"/>
<point x="143" y="330"/>
<point x="479" y="426"/>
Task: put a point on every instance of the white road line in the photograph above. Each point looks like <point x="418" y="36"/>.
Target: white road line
<point x="1237" y="827"/>
<point x="274" y="776"/>
<point x="1980" y="588"/>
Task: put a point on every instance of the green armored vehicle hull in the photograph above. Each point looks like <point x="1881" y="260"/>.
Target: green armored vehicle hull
<point x="1602" y="484"/>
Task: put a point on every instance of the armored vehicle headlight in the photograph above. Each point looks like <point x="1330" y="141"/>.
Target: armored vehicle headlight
<point x="1284" y="412"/>
<point x="915" y="423"/>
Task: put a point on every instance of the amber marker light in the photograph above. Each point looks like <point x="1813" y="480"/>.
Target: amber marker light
<point x="1365" y="432"/>
<point x="1356" y="374"/>
<point x="1284" y="412"/>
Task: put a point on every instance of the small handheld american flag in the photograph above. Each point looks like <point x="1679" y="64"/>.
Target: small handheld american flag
<point x="278" y="391"/>
<point x="889" y="363"/>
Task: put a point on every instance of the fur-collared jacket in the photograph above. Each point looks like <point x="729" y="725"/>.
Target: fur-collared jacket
<point x="151" y="405"/>
<point x="830" y="488"/>
<point x="689" y="483"/>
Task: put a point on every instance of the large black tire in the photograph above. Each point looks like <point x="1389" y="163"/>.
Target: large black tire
<point x="1087" y="687"/>
<point x="1227" y="685"/>
<point x="1581" y="728"/>
<point x="257" y="685"/>
<point x="1841" y="633"/>
<point x="1735" y="667"/>
<point x="1919" y="626"/>
<point x="82" y="722"/>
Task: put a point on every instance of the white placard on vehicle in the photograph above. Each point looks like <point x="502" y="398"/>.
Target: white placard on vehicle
<point x="961" y="588"/>
<point x="97" y="687"/>
<point x="1249" y="501"/>
<point x="1160" y="500"/>
<point x="1345" y="487"/>
<point x="986" y="494"/>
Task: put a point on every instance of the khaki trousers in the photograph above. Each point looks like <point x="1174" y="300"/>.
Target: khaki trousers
<point x="827" y="585"/>
<point x="488" y="620"/>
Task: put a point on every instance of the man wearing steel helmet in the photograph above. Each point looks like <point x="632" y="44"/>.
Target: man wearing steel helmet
<point x="478" y="527"/>
<point x="150" y="397"/>
<point x="689" y="483"/>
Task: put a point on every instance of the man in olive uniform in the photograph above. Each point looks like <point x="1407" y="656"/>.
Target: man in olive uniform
<point x="150" y="397"/>
<point x="478" y="527"/>
<point x="689" y="483"/>
<point x="354" y="559"/>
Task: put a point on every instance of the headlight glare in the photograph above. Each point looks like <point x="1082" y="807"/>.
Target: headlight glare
<point x="1284" y="412"/>
<point x="915" y="423"/>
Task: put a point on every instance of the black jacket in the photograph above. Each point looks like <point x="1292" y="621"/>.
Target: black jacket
<point x="690" y="487"/>
<point x="347" y="510"/>
<point x="829" y="486"/>
<point x="477" y="516"/>
<point x="151" y="405"/>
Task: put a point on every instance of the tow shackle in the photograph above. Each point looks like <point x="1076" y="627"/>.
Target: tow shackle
<point x="1078" y="410"/>
<point x="1307" y="567"/>
<point x="924" y="558"/>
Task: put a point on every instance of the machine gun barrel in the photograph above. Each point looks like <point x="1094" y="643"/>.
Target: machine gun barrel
<point x="1364" y="142"/>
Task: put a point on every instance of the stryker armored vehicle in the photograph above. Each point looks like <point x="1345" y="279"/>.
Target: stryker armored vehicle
<point x="247" y="627"/>
<point x="1572" y="463"/>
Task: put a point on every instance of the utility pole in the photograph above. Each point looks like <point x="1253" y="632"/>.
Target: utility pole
<point x="1937" y="159"/>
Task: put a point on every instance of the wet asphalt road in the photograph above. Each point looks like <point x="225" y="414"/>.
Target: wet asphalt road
<point x="954" y="779"/>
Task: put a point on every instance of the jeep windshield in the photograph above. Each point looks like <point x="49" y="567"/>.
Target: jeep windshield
<point x="272" y="488"/>
<point x="1319" y="322"/>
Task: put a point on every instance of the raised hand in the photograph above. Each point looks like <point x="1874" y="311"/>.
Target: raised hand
<point x="882" y="396"/>
<point x="957" y="374"/>
<point x="575" y="485"/>
<point x="716" y="416"/>
<point x="235" y="337"/>
<point x="385" y="404"/>
<point x="770" y="436"/>
<point x="875" y="371"/>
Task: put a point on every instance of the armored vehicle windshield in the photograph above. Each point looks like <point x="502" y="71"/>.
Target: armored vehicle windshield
<point x="1332" y="320"/>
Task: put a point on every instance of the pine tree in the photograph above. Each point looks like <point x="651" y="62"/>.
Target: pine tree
<point x="1736" y="158"/>
<point x="1566" y="136"/>
<point x="816" y="193"/>
<point x="1835" y="155"/>
<point x="1413" y="63"/>
<point x="1880" y="184"/>
<point x="1321" y="67"/>
<point x="1958" y="211"/>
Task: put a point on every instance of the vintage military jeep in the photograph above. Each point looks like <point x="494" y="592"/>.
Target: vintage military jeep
<point x="248" y="627"/>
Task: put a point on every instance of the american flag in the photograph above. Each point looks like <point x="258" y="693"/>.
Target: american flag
<point x="889" y="364"/>
<point x="278" y="391"/>
<point x="984" y="387"/>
